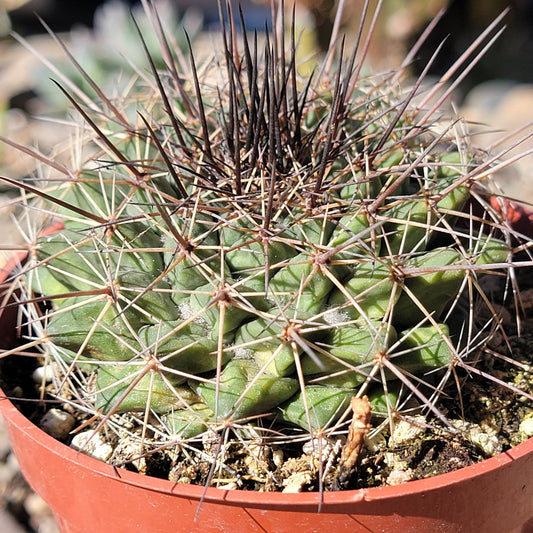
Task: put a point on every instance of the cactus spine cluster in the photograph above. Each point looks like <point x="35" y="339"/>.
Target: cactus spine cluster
<point x="248" y="250"/>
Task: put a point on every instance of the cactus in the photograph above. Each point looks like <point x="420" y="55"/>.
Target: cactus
<point x="247" y="253"/>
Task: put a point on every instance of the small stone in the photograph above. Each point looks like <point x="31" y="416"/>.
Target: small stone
<point x="526" y="426"/>
<point x="57" y="423"/>
<point x="92" y="444"/>
<point x="130" y="451"/>
<point x="489" y="443"/>
<point x="12" y="463"/>
<point x="232" y="485"/>
<point x="35" y="505"/>
<point x="395" y="462"/>
<point x="313" y="446"/>
<point x="43" y="374"/>
<point x="398" y="477"/>
<point x="277" y="457"/>
<point x="17" y="392"/>
<point x="8" y="470"/>
<point x="405" y="431"/>
<point x="295" y="483"/>
<point x="5" y="447"/>
<point x="41" y="517"/>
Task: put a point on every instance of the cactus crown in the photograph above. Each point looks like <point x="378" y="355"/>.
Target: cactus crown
<point x="246" y="251"/>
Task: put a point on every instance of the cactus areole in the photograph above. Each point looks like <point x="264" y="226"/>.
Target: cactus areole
<point x="256" y="262"/>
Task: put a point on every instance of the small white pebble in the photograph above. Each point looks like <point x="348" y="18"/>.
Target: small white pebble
<point x="130" y="451"/>
<point x="93" y="445"/>
<point x="277" y="457"/>
<point x="40" y="515"/>
<point x="295" y="483"/>
<point x="405" y="431"/>
<point x="43" y="374"/>
<point x="392" y="460"/>
<point x="488" y="443"/>
<point x="34" y="504"/>
<point x="8" y="469"/>
<point x="473" y="432"/>
<point x="5" y="477"/>
<point x="12" y="463"/>
<point x="57" y="423"/>
<point x="526" y="426"/>
<point x="5" y="447"/>
<point x="398" y="477"/>
<point x="314" y="445"/>
<point x="228" y="486"/>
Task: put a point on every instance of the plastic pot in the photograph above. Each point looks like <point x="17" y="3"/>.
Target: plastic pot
<point x="88" y="496"/>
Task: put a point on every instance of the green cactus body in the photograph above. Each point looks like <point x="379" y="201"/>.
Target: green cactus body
<point x="267" y="345"/>
<point x="353" y="241"/>
<point x="426" y="347"/>
<point x="383" y="403"/>
<point x="489" y="251"/>
<point x="360" y="189"/>
<point x="264" y="392"/>
<point x="157" y="303"/>
<point x="69" y="265"/>
<point x="125" y="388"/>
<point x="185" y="348"/>
<point x="370" y="291"/>
<point x="353" y="344"/>
<point x="301" y="285"/>
<point x="202" y="303"/>
<point x="187" y="423"/>
<point x="349" y="228"/>
<point x="79" y="260"/>
<point x="431" y="289"/>
<point x="423" y="286"/>
<point x="196" y="267"/>
<point x="246" y="255"/>
<point x="317" y="406"/>
<point x="451" y="165"/>
<point x="423" y="219"/>
<point x="414" y="231"/>
<point x="97" y="327"/>
<point x="309" y="228"/>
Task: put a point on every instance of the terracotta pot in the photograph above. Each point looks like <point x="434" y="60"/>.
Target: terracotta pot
<point x="87" y="496"/>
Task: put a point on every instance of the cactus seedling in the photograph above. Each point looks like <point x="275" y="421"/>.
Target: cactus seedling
<point x="248" y="251"/>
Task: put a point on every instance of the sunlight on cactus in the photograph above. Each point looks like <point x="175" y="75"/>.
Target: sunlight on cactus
<point x="247" y="251"/>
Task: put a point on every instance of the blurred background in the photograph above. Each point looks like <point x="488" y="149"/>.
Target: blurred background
<point x="496" y="97"/>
